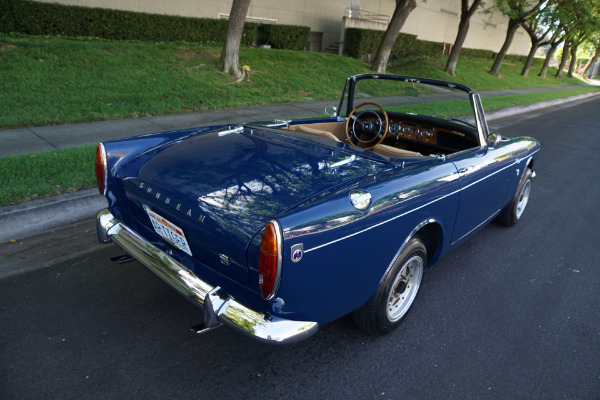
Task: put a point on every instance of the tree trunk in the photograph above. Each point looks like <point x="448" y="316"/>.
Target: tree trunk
<point x="563" y="60"/>
<point x="549" y="57"/>
<point x="235" y="28"/>
<point x="537" y="40"/>
<point x="527" y="66"/>
<point x="463" y="29"/>
<point x="591" y="61"/>
<point x="591" y="75"/>
<point x="401" y="12"/>
<point x="513" y="25"/>
<point x="573" y="61"/>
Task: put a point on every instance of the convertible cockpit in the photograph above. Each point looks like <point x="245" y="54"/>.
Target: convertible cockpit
<point x="406" y="135"/>
<point x="402" y="117"/>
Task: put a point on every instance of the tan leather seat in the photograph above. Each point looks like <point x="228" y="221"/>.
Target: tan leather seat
<point x="390" y="151"/>
<point x="317" y="132"/>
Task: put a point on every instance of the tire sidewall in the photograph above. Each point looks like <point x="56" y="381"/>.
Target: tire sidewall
<point x="383" y="324"/>
<point x="508" y="216"/>
<point x="515" y="202"/>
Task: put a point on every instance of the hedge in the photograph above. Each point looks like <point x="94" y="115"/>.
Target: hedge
<point x="360" y="43"/>
<point x="363" y="44"/>
<point x="35" y="18"/>
<point x="288" y="37"/>
<point x="537" y="61"/>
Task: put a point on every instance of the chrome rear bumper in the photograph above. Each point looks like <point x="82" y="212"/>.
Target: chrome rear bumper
<point x="217" y="305"/>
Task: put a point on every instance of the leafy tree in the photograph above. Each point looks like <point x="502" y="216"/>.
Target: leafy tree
<point x="517" y="11"/>
<point x="586" y="23"/>
<point x="580" y="20"/>
<point x="401" y="12"/>
<point x="466" y="12"/>
<point x="235" y="27"/>
<point x="538" y="27"/>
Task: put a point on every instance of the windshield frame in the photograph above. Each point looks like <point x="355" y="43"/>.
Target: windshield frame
<point x="475" y="100"/>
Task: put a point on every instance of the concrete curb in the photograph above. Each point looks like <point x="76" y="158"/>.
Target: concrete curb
<point x="510" y="111"/>
<point x="37" y="216"/>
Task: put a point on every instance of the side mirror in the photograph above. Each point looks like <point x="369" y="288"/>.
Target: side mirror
<point x="493" y="140"/>
<point x="331" y="111"/>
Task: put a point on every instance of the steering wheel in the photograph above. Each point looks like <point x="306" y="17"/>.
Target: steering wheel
<point x="367" y="128"/>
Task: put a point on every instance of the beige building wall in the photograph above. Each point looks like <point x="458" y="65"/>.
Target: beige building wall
<point x="435" y="20"/>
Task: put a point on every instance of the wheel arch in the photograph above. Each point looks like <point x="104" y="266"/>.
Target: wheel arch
<point x="369" y="317"/>
<point x="529" y="163"/>
<point x="430" y="232"/>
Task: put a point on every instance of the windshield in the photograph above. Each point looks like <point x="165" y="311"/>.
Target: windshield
<point x="412" y="96"/>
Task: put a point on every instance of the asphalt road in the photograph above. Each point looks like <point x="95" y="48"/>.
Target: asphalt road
<point x="512" y="314"/>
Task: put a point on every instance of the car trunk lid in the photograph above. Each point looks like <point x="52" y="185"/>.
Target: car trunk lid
<point x="222" y="188"/>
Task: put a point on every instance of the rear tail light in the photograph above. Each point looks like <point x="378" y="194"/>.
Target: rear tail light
<point x="100" y="167"/>
<point x="269" y="260"/>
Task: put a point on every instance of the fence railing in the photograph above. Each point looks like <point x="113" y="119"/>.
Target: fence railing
<point x="367" y="15"/>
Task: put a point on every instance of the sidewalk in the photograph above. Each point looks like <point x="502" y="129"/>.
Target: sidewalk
<point x="46" y="138"/>
<point x="22" y="220"/>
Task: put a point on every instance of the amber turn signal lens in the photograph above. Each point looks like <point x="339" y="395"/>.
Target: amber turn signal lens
<point x="268" y="262"/>
<point x="100" y="168"/>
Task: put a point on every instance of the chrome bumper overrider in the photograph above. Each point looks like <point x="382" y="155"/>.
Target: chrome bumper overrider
<point x="218" y="306"/>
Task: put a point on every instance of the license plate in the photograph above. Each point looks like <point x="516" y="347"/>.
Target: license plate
<point x="169" y="231"/>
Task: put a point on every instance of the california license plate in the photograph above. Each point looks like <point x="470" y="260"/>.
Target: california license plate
<point x="169" y="231"/>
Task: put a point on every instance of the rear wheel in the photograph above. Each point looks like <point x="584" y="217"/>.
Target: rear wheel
<point x="513" y="213"/>
<point x="395" y="295"/>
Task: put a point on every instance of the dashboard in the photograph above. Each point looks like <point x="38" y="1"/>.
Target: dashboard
<point x="429" y="134"/>
<point x="416" y="132"/>
<point x="446" y="139"/>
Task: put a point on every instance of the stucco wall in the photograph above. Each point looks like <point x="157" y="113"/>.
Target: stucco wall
<point x="435" y="20"/>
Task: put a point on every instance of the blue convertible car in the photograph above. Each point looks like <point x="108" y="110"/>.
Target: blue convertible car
<point x="274" y="228"/>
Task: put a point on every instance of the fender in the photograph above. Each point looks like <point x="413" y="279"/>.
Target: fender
<point x="435" y="255"/>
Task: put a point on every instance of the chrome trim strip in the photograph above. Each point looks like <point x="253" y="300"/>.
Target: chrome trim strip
<point x="488" y="219"/>
<point x="237" y="129"/>
<point x="269" y="329"/>
<point x="381" y="223"/>
<point x="415" y="209"/>
<point x="482" y="128"/>
<point x="345" y="161"/>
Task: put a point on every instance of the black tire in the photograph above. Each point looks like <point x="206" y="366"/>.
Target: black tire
<point x="513" y="213"/>
<point x="386" y="309"/>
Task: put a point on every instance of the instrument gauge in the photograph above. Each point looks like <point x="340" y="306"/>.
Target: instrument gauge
<point x="395" y="128"/>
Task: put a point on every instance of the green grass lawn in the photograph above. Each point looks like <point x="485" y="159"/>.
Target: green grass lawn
<point x="49" y="80"/>
<point x="29" y="176"/>
<point x="52" y="80"/>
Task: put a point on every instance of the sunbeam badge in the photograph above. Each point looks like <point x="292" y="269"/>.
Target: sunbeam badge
<point x="297" y="252"/>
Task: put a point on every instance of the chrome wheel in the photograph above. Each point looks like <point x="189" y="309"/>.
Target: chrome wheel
<point x="523" y="199"/>
<point x="512" y="214"/>
<point x="396" y="293"/>
<point x="404" y="288"/>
